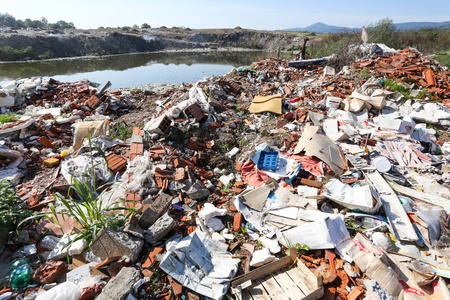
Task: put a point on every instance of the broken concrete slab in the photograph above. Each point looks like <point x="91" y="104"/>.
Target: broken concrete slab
<point x="109" y="243"/>
<point x="121" y="285"/>
<point x="155" y="210"/>
<point x="159" y="229"/>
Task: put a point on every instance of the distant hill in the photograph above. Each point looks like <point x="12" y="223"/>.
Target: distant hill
<point x="418" y="25"/>
<point x="320" y="27"/>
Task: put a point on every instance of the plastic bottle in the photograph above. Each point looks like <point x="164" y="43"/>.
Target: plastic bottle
<point x="19" y="273"/>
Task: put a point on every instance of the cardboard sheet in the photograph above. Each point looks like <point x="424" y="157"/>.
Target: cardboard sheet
<point x="320" y="146"/>
<point x="266" y="104"/>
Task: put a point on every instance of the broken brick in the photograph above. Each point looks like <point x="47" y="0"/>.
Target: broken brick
<point x="237" y="221"/>
<point x="180" y="174"/>
<point x="50" y="162"/>
<point x="46" y="142"/>
<point x="176" y="287"/>
<point x="49" y="271"/>
<point x="93" y="102"/>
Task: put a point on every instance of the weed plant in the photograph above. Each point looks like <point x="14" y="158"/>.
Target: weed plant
<point x="11" y="206"/>
<point x="89" y="209"/>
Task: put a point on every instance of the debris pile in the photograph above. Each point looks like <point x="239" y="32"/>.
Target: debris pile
<point x="268" y="181"/>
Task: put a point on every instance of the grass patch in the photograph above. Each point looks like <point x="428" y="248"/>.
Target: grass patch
<point x="443" y="59"/>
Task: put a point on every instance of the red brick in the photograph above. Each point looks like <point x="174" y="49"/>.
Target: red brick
<point x="192" y="145"/>
<point x="83" y="88"/>
<point x="138" y="131"/>
<point x="45" y="141"/>
<point x="194" y="111"/>
<point x="116" y="163"/>
<point x="237" y="221"/>
<point x="93" y="102"/>
<point x="193" y="296"/>
<point x="180" y="175"/>
<point x="137" y="149"/>
<point x="176" y="287"/>
<point x="214" y="125"/>
<point x="151" y="257"/>
<point x="179" y="163"/>
<point x="280" y="123"/>
<point x="132" y="199"/>
<point x="49" y="271"/>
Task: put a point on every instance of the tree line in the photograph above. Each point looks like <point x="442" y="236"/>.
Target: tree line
<point x="7" y="20"/>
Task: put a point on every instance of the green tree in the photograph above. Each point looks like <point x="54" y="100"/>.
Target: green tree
<point x="145" y="25"/>
<point x="384" y="32"/>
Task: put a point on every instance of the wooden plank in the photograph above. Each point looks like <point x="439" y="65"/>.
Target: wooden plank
<point x="288" y="285"/>
<point x="246" y="295"/>
<point x="257" y="291"/>
<point x="317" y="281"/>
<point x="299" y="280"/>
<point x="398" y="219"/>
<point x="273" y="288"/>
<point x="303" y="282"/>
<point x="267" y="269"/>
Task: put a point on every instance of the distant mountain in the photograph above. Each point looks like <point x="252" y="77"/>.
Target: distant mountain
<point x="418" y="25"/>
<point x="320" y="27"/>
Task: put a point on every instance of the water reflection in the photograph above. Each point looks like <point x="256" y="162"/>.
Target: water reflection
<point x="135" y="69"/>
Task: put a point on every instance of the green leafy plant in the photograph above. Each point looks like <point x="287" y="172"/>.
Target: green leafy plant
<point x="242" y="142"/>
<point x="11" y="206"/>
<point x="121" y="131"/>
<point x="244" y="229"/>
<point x="6" y="118"/>
<point x="89" y="209"/>
<point x="301" y="249"/>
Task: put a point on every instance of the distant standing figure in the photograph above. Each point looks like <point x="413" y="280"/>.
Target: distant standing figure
<point x="364" y="35"/>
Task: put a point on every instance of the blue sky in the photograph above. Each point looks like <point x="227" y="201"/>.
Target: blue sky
<point x="262" y="14"/>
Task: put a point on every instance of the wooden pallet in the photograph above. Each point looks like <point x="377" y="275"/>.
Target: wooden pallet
<point x="279" y="280"/>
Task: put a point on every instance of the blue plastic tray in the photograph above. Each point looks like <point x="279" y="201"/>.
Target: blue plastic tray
<point x="268" y="160"/>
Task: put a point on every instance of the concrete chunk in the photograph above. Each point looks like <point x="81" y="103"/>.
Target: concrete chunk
<point x="155" y="210"/>
<point x="121" y="285"/>
<point x="158" y="230"/>
<point x="109" y="243"/>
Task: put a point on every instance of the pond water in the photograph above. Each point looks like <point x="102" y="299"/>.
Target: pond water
<point x="132" y="70"/>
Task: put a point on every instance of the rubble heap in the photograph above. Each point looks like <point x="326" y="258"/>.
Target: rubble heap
<point x="268" y="181"/>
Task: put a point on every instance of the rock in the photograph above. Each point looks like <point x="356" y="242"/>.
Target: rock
<point x="261" y="257"/>
<point x="158" y="230"/>
<point x="49" y="242"/>
<point x="50" y="162"/>
<point x="118" y="287"/>
<point x="197" y="191"/>
<point x="109" y="243"/>
<point x="155" y="210"/>
<point x="49" y="271"/>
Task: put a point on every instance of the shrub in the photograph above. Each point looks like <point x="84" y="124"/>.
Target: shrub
<point x="11" y="206"/>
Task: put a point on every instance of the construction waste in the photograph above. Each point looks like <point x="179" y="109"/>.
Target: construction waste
<point x="269" y="182"/>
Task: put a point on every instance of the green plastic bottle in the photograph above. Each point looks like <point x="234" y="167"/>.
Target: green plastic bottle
<point x="19" y="273"/>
